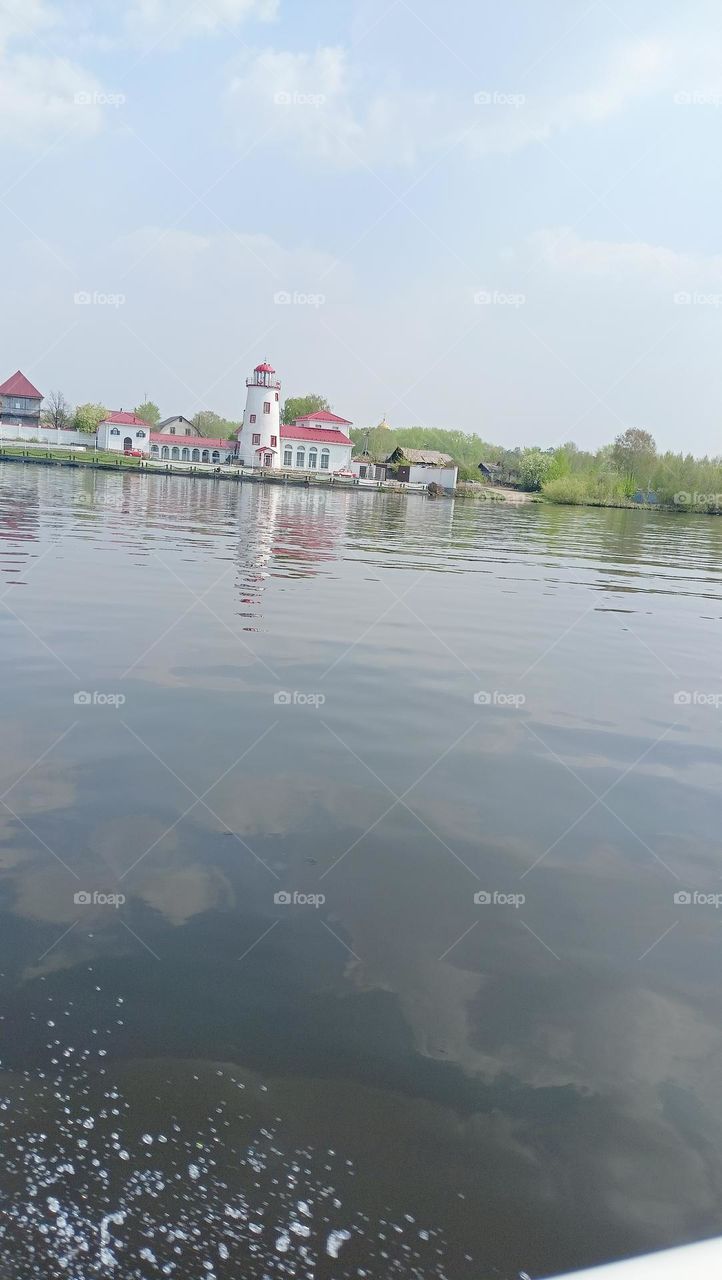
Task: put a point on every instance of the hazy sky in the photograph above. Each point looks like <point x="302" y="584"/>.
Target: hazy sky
<point x="501" y="217"/>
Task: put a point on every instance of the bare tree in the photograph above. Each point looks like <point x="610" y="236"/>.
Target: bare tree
<point x="56" y="412"/>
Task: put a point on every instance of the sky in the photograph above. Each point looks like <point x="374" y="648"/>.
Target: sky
<point x="501" y="218"/>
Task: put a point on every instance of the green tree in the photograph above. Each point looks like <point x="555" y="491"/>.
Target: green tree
<point x="634" y="453"/>
<point x="211" y="424"/>
<point x="299" y="406"/>
<point x="149" y="412"/>
<point x="534" y="468"/>
<point x="88" y="416"/>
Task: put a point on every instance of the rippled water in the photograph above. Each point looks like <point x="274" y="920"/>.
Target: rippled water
<point x="382" y="706"/>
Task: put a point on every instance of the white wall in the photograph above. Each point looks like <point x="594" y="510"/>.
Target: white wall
<point x="116" y="443"/>
<point x="46" y="435"/>
<point x="445" y="476"/>
<point x="339" y="455"/>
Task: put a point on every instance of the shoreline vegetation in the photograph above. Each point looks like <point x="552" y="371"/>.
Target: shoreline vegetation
<point x="629" y="474"/>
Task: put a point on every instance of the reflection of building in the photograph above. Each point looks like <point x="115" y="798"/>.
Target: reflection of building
<point x="314" y="442"/>
<point x="20" y="402"/>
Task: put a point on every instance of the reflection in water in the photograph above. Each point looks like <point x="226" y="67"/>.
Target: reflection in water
<point x="534" y="1087"/>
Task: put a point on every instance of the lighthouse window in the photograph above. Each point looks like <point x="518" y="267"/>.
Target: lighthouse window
<point x="274" y="442"/>
<point x="324" y="459"/>
<point x="256" y="438"/>
<point x="276" y="395"/>
<point x="253" y="417"/>
<point x="266" y="406"/>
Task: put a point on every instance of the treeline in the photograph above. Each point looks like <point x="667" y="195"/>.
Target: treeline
<point x="629" y="469"/>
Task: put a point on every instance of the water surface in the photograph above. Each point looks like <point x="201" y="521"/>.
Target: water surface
<point x="217" y="694"/>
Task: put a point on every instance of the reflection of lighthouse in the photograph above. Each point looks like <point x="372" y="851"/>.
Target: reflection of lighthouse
<point x="259" y="437"/>
<point x="256" y="551"/>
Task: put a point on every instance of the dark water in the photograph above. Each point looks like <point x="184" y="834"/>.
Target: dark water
<point x="205" y="1082"/>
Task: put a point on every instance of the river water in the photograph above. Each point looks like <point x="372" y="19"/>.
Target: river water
<point x="359" y="869"/>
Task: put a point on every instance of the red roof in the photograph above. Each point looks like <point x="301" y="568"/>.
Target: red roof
<point x="125" y="419"/>
<point x="18" y="385"/>
<point x="264" y="368"/>
<point x="322" y="435"/>
<point x="191" y="442"/>
<point x="324" y="416"/>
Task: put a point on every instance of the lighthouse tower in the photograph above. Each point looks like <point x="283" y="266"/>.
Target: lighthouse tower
<point x="259" y="440"/>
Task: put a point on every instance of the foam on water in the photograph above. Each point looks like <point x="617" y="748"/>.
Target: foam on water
<point x="89" y="1191"/>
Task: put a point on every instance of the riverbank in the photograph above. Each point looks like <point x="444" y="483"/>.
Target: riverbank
<point x="100" y="461"/>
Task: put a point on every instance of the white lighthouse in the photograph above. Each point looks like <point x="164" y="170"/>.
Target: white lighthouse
<point x="259" y="440"/>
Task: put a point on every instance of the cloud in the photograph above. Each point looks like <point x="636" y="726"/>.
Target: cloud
<point x="169" y="21"/>
<point x="41" y="95"/>
<point x="315" y="102"/>
<point x="562" y="249"/>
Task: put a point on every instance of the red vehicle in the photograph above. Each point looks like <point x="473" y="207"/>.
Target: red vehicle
<point x="133" y="453"/>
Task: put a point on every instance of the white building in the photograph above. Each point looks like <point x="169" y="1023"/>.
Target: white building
<point x="121" y="432"/>
<point x="314" y="442"/>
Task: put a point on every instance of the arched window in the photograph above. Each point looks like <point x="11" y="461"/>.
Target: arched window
<point x="325" y="455"/>
<point x="196" y="455"/>
<point x="174" y="453"/>
<point x="140" y="435"/>
<point x="154" y="451"/>
<point x="185" y="455"/>
<point x="204" y="456"/>
<point x="164" y="453"/>
<point x="300" y="457"/>
<point x="312" y="459"/>
<point x="215" y="456"/>
<point x="115" y="431"/>
<point x="288" y="457"/>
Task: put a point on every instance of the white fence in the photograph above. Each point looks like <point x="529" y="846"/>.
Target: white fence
<point x="45" y="435"/>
